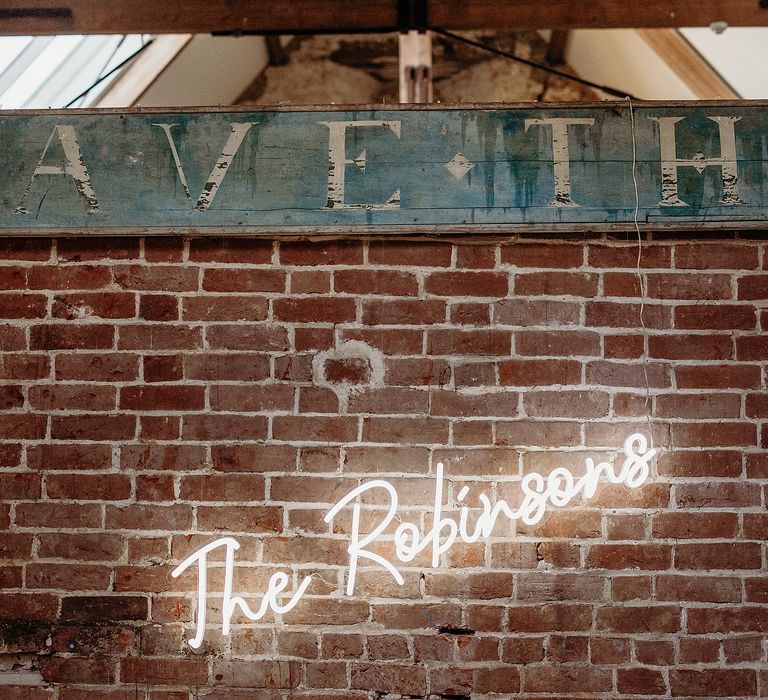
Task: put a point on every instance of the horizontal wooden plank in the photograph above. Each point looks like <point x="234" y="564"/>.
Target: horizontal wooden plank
<point x="429" y="170"/>
<point x="182" y="16"/>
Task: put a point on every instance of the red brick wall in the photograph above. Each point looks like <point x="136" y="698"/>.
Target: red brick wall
<point x="156" y="394"/>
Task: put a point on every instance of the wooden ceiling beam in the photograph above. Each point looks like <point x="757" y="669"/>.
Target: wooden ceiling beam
<point x="342" y="16"/>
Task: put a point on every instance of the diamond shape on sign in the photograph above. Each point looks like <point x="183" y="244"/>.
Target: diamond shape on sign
<point x="458" y="166"/>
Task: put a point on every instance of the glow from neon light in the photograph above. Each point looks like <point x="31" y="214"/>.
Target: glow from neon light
<point x="277" y="584"/>
<point x="558" y="489"/>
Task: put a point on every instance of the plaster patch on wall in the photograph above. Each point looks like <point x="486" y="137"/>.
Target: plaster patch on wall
<point x="348" y="367"/>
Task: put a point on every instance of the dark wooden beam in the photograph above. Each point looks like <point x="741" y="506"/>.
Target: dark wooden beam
<point x="297" y="16"/>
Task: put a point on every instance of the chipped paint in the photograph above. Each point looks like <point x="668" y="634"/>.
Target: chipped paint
<point x="442" y="169"/>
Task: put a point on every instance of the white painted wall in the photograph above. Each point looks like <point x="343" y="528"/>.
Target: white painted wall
<point x="619" y="58"/>
<point x="210" y="70"/>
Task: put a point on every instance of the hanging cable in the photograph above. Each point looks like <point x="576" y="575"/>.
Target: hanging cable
<point x="533" y="64"/>
<point x="640" y="278"/>
<point x="109" y="73"/>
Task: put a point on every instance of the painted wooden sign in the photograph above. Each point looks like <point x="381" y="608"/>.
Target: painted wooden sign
<point x="454" y="169"/>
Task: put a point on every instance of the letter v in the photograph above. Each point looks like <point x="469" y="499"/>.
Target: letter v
<point x="236" y="136"/>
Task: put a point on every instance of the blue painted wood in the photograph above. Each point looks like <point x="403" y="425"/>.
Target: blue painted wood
<point x="404" y="170"/>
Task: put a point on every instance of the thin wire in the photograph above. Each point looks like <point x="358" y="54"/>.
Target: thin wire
<point x="104" y="67"/>
<point x="640" y="277"/>
<point x="107" y="74"/>
<point x="533" y="64"/>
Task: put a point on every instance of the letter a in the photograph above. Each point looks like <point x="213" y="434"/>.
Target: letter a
<point x="211" y="187"/>
<point x="74" y="167"/>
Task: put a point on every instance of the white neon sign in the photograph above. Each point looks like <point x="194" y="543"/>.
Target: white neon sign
<point x="557" y="489"/>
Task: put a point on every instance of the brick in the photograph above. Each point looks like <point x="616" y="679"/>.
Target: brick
<point x="229" y="307"/>
<point x="24" y="366"/>
<point x="69" y="457"/>
<point x="403" y="312"/>
<point x="23" y="305"/>
<point x="566" y="679"/>
<point x="470" y="314"/>
<point x="97" y="367"/>
<point x="475" y="256"/>
<point x="96" y="487"/>
<point x="405" y="430"/>
<point x="692" y="525"/>
<point x="640" y="681"/>
<point x="536" y="312"/>
<point x="538" y="372"/>
<point x="691" y="347"/>
<point x="93" y="304"/>
<point x="710" y="589"/>
<point x="752" y="287"/>
<point x="454" y="342"/>
<point x="417" y="372"/>
<point x="96" y="248"/>
<point x="726" y="555"/>
<point x="713" y="682"/>
<point x="164" y="249"/>
<point x="717" y="377"/>
<point x="727" y="620"/>
<point x="71" y="337"/>
<point x="248" y="458"/>
<point x="409" y="253"/>
<point x="252" y="251"/>
<point x="544" y="255"/>
<point x="239" y="518"/>
<point x="19" y="485"/>
<point x="13" y="277"/>
<point x="58" y="397"/>
<point x="315" y="309"/>
<point x="454" y="404"/>
<point x="33" y="607"/>
<point x="162" y="398"/>
<point x="629" y="556"/>
<point x="626" y="256"/>
<point x="392" y="678"/>
<point x="267" y="398"/>
<point x="394" y="341"/>
<point x="27" y="248"/>
<point x="752" y="348"/>
<point x="69" y="277"/>
<point x="79" y="577"/>
<point x="247" y="337"/>
<point x="157" y="337"/>
<point x="559" y="283"/>
<point x="713" y="494"/>
<point x="566" y="404"/>
<point x="716" y="463"/>
<point x="208" y="426"/>
<point x="386" y="282"/>
<point x="557" y="343"/>
<point x="164" y="278"/>
<point x="93" y="427"/>
<point x="715" y="317"/>
<point x="467" y="284"/>
<point x="321" y="253"/>
<point x="688" y="286"/>
<point x="544" y="618"/>
<point x="159" y="307"/>
<point x="23" y="426"/>
<point x="99" y="546"/>
<point x="310" y="282"/>
<point x="700" y="406"/>
<point x="149" y="517"/>
<point x="12" y="338"/>
<point x="639" y="619"/>
<point x="243" y="280"/>
<point x="163" y="671"/>
<point x="714" y="256"/>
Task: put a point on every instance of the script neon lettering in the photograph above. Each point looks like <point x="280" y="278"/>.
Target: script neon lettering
<point x="558" y="489"/>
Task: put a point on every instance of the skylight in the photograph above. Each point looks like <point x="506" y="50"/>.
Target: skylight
<point x="46" y="71"/>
